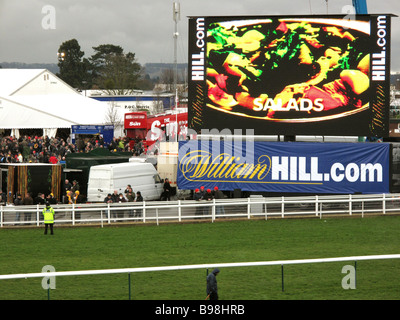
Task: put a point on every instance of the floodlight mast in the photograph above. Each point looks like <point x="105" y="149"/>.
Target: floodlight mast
<point x="176" y="16"/>
<point x="360" y="6"/>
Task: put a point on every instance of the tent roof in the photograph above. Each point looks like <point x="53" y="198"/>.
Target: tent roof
<point x="51" y="111"/>
<point x="13" y="79"/>
<point x="28" y="101"/>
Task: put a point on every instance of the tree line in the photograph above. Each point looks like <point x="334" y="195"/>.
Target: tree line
<point x="108" y="68"/>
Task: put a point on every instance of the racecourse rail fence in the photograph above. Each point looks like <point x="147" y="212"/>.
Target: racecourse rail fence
<point x="47" y="276"/>
<point x="190" y="210"/>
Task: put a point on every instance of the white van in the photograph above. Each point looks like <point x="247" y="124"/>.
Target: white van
<point x="143" y="177"/>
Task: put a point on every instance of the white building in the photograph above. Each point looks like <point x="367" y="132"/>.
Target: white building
<point x="134" y="100"/>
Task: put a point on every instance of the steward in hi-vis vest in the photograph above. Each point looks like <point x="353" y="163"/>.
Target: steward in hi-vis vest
<point x="48" y="214"/>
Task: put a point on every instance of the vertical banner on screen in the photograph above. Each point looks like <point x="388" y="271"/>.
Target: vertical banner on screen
<point x="339" y="168"/>
<point x="197" y="71"/>
<point x="380" y="74"/>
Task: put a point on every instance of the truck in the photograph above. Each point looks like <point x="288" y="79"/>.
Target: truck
<point x="143" y="177"/>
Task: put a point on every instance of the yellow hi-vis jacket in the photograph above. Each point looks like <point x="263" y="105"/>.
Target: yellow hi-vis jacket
<point x="48" y="214"/>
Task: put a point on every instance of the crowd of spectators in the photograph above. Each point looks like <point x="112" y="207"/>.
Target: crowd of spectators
<point x="42" y="149"/>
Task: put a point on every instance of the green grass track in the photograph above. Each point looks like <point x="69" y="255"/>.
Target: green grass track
<point x="28" y="250"/>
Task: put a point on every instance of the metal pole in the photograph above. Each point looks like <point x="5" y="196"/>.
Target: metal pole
<point x="129" y="285"/>
<point x="283" y="288"/>
<point x="355" y="274"/>
<point x="176" y="17"/>
<point x="48" y="289"/>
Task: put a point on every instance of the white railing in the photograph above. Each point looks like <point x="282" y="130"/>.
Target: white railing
<point x="196" y="266"/>
<point x="184" y="210"/>
<point x="47" y="275"/>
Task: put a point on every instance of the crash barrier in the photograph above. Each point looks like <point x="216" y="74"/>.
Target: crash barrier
<point x="185" y="210"/>
<point x="48" y="276"/>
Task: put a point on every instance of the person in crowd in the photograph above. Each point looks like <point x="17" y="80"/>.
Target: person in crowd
<point x="208" y="197"/>
<point x="66" y="187"/>
<point x="42" y="149"/>
<point x="3" y="198"/>
<point x="75" y="186"/>
<point x="121" y="199"/>
<point x="39" y="199"/>
<point x="53" y="159"/>
<point x="166" y="195"/>
<point x="130" y="197"/>
<point x="218" y="194"/>
<point x="115" y="196"/>
<point x="128" y="188"/>
<point x="139" y="198"/>
<point x="108" y="199"/>
<point x="202" y="192"/>
<point x="28" y="201"/>
<point x="18" y="202"/>
<point x="197" y="196"/>
<point x="50" y="198"/>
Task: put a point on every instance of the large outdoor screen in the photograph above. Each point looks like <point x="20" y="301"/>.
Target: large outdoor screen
<point x="314" y="75"/>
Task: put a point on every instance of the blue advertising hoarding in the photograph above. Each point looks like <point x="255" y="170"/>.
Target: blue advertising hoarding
<point x="299" y="167"/>
<point x="106" y="131"/>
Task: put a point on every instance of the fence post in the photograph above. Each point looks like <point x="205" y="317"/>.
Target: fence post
<point x="179" y="211"/>
<point x="265" y="208"/>
<point x="283" y="287"/>
<point x="316" y="206"/>
<point x="362" y="209"/>
<point x="144" y="211"/>
<point x="1" y="216"/>
<point x="109" y="213"/>
<point x="248" y="208"/>
<point x="73" y="214"/>
<point x="157" y="215"/>
<point x="384" y="204"/>
<point x="350" y="205"/>
<point x="37" y="215"/>
<point x="213" y="210"/>
<point x="283" y="207"/>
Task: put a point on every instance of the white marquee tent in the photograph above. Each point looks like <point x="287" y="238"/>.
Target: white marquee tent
<point x="37" y="99"/>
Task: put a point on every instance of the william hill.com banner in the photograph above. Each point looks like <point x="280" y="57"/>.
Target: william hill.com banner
<point x="285" y="167"/>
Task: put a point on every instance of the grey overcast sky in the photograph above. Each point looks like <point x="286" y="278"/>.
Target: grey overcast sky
<point x="31" y="31"/>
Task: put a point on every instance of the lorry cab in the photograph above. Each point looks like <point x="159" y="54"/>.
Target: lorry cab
<point x="143" y="177"/>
